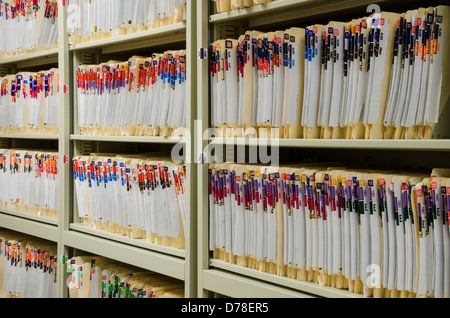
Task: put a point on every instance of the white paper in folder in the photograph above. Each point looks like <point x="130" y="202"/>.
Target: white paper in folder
<point x="135" y="196"/>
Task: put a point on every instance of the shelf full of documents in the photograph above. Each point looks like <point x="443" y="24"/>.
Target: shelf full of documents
<point x="27" y="26"/>
<point x="137" y="196"/>
<point x="29" y="103"/>
<point x="380" y="234"/>
<point x="377" y="77"/>
<point x="27" y="266"/>
<point x="144" y="96"/>
<point x="29" y="181"/>
<point x="91" y="20"/>
<point x="99" y="277"/>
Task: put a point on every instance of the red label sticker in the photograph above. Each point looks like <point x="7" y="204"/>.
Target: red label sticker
<point x="448" y="190"/>
<point x="238" y="178"/>
<point x="405" y="187"/>
<point x="382" y="182"/>
<point x="382" y="21"/>
<point x="315" y="30"/>
<point x="434" y="185"/>
<point x="336" y="32"/>
<point x="349" y="183"/>
<point x="419" y="21"/>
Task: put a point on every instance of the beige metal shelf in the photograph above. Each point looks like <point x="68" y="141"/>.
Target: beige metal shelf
<point x="153" y="37"/>
<point x="29" y="216"/>
<point x="132" y="255"/>
<point x="307" y="288"/>
<point x="160" y="140"/>
<point x="236" y="286"/>
<point x="411" y="145"/>
<point x="140" y="243"/>
<point x="36" y="136"/>
<point x="285" y="10"/>
<point x="43" y="57"/>
<point x="41" y="227"/>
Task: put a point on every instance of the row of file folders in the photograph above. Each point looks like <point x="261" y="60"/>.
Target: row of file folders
<point x="99" y="19"/>
<point x="29" y="181"/>
<point x="27" y="25"/>
<point x="144" y="96"/>
<point x="29" y="102"/>
<point x="380" y="234"/>
<point x="27" y="266"/>
<point x="28" y="269"/>
<point x="135" y="196"/>
<point x="30" y="25"/>
<point x="377" y="77"/>
<point x="99" y="277"/>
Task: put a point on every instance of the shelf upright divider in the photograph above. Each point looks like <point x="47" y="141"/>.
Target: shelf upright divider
<point x="191" y="167"/>
<point x="64" y="115"/>
<point x="202" y="143"/>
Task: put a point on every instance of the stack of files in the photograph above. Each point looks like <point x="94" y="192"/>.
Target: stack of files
<point x="99" y="277"/>
<point x="257" y="84"/>
<point x="380" y="77"/>
<point x="91" y="20"/>
<point x="27" y="266"/>
<point x="29" y="103"/>
<point x="29" y="181"/>
<point x="376" y="233"/>
<point x="233" y="5"/>
<point x="145" y="96"/>
<point x="137" y="196"/>
<point x="27" y="26"/>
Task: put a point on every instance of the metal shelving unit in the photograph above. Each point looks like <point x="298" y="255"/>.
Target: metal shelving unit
<point x="193" y="265"/>
<point x="227" y="279"/>
<point x="165" y="260"/>
<point x="73" y="238"/>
